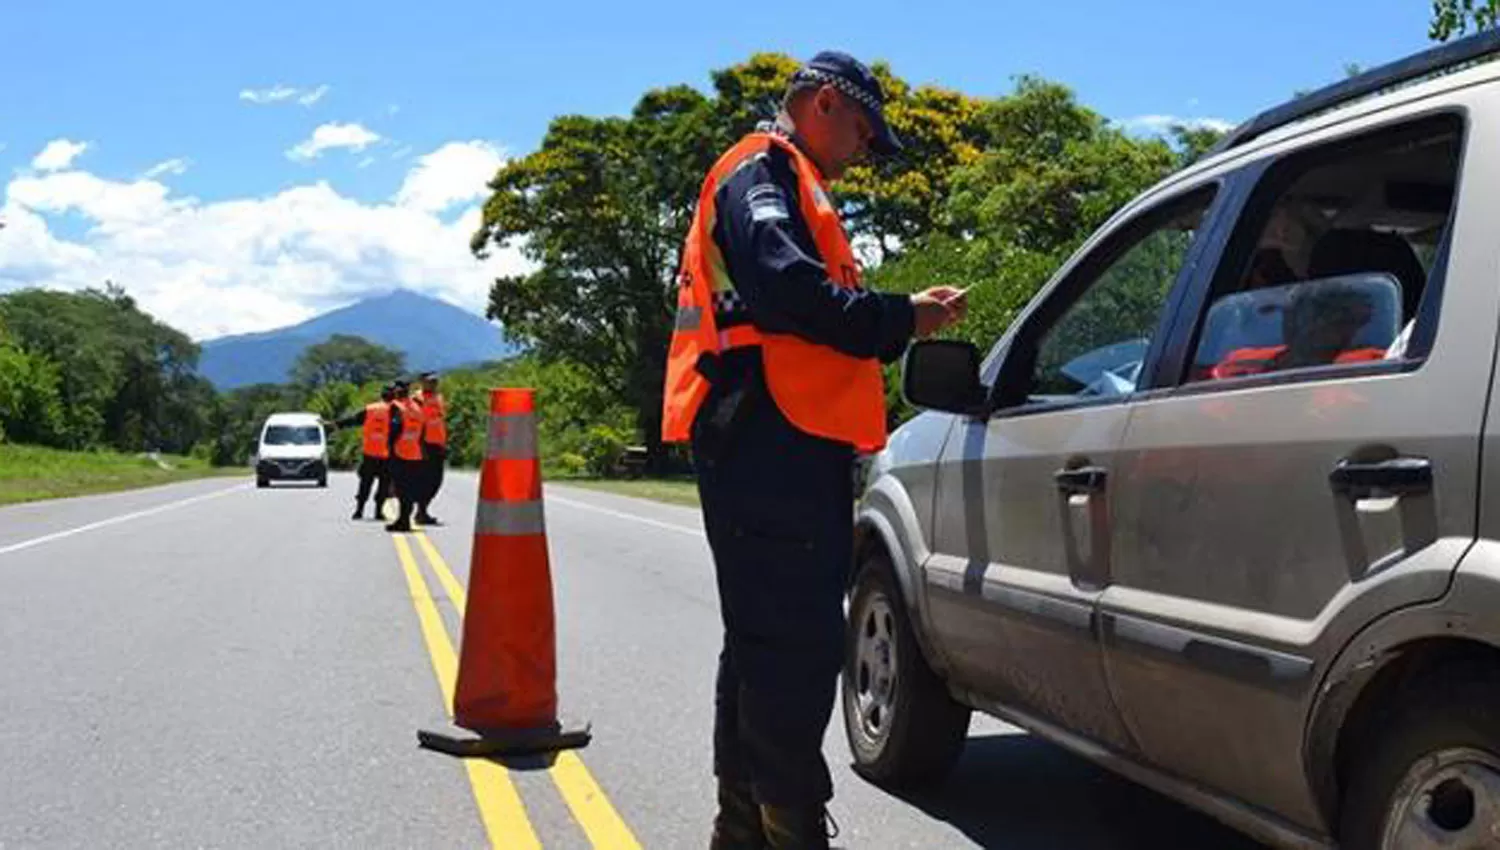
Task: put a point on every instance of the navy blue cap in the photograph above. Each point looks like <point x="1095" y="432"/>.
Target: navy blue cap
<point x="851" y="77"/>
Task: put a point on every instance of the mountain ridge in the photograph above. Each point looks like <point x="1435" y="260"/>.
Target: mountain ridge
<point x="432" y="333"/>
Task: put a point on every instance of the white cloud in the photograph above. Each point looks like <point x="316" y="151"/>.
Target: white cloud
<point x="281" y="93"/>
<point x="58" y="154"/>
<point x="240" y="265"/>
<point x="453" y="174"/>
<point x="333" y="135"/>
<point x="274" y="94"/>
<point x="311" y="97"/>
<point x="366" y="162"/>
<point x="171" y="166"/>
<point x="1158" y="124"/>
<point x="402" y="153"/>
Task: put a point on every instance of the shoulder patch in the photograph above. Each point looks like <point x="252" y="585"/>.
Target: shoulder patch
<point x="766" y="202"/>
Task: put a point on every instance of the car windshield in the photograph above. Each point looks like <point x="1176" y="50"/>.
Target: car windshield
<point x="292" y="435"/>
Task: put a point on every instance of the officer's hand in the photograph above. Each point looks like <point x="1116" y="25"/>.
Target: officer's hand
<point x="956" y="299"/>
<point x="937" y="308"/>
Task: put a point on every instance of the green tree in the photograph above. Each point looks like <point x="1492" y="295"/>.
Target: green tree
<point x="126" y="380"/>
<point x="1193" y="142"/>
<point x="603" y="206"/>
<point x="348" y="359"/>
<point x="1053" y="172"/>
<point x="1456" y="17"/>
<point x="30" y="404"/>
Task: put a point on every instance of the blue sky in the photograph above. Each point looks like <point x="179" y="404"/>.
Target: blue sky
<point x="234" y="231"/>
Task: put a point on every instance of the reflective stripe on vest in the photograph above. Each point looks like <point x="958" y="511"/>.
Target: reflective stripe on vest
<point x="434" y="414"/>
<point x="377" y="430"/>
<point x="819" y="389"/>
<point x="409" y="441"/>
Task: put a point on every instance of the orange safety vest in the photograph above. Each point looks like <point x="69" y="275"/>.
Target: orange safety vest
<point x="377" y="430"/>
<point x="1253" y="361"/>
<point x="409" y="441"/>
<point x="820" y="390"/>
<point x="435" y="412"/>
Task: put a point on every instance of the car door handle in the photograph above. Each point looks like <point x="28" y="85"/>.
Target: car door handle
<point x="1081" y="480"/>
<point x="1401" y="476"/>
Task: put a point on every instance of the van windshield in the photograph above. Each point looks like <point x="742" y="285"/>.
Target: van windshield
<point x="292" y="435"/>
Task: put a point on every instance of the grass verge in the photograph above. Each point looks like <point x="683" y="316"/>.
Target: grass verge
<point x="30" y="473"/>
<point x="675" y="491"/>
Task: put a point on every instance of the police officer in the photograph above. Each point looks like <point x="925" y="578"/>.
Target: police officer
<point x="406" y="454"/>
<point x="774" y="376"/>
<point x="374" y="465"/>
<point x="434" y="445"/>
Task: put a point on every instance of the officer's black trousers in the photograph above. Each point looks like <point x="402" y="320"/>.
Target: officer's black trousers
<point x="778" y="508"/>
<point x="373" y="469"/>
<point x="408" y="478"/>
<point x="434" y="459"/>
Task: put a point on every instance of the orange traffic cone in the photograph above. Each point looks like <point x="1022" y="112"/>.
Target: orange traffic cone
<point x="505" y="702"/>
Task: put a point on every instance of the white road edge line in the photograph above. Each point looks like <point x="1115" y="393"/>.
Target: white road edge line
<point x="680" y="529"/>
<point x="37" y="541"/>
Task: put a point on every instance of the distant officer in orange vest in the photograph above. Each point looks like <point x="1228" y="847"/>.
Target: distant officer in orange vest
<point x="774" y="376"/>
<point x="375" y="420"/>
<point x="434" y="445"/>
<point x="406" y="454"/>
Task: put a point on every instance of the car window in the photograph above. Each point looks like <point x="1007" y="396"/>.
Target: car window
<point x="292" y="435"/>
<point x="1097" y="346"/>
<point x="1330" y="262"/>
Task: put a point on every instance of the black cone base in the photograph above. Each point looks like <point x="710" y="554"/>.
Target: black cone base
<point x="469" y="743"/>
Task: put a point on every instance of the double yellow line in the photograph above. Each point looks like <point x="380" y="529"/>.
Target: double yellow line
<point x="500" y="805"/>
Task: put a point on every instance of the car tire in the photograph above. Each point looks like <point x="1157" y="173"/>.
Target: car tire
<point x="1436" y="754"/>
<point x="262" y="483"/>
<point x="323" y="481"/>
<point x="903" y="728"/>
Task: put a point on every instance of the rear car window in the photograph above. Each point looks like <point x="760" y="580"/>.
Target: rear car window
<point x="1332" y="262"/>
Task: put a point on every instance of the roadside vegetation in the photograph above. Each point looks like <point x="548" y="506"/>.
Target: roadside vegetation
<point x="29" y="473"/>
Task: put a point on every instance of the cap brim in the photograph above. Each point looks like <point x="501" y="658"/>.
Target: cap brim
<point x="884" y="141"/>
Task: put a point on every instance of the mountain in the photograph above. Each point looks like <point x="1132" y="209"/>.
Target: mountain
<point x="432" y="333"/>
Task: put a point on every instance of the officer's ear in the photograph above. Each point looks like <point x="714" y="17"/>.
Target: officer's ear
<point x="825" y="101"/>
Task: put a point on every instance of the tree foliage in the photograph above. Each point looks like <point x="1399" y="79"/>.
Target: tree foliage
<point x="123" y="379"/>
<point x="348" y="359"/>
<point x="1452" y="18"/>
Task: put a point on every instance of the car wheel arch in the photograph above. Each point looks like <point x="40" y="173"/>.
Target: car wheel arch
<point x="875" y="530"/>
<point x="1369" y="677"/>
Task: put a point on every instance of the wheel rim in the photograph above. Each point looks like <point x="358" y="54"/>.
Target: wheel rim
<point x="875" y="666"/>
<point x="1448" y="801"/>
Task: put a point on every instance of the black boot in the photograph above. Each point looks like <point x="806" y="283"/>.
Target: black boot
<point x="737" y="824"/>
<point x="797" y="827"/>
<point x="403" y="521"/>
<point x="359" y="511"/>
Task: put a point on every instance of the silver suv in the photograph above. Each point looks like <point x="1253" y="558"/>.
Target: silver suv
<point x="1219" y="511"/>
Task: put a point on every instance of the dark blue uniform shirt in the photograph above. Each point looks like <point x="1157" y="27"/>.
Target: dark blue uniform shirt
<point x="780" y="284"/>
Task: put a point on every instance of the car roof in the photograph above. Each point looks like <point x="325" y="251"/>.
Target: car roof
<point x="298" y="418"/>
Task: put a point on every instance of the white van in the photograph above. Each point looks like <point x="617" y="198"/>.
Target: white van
<point x="292" y="446"/>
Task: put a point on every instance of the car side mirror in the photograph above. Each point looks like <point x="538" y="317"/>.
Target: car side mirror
<point x="944" y="375"/>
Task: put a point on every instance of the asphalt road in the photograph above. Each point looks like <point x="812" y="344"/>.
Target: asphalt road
<point x="211" y="665"/>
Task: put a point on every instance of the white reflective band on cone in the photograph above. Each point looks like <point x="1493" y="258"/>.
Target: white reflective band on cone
<point x="512" y="437"/>
<point x="510" y="519"/>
